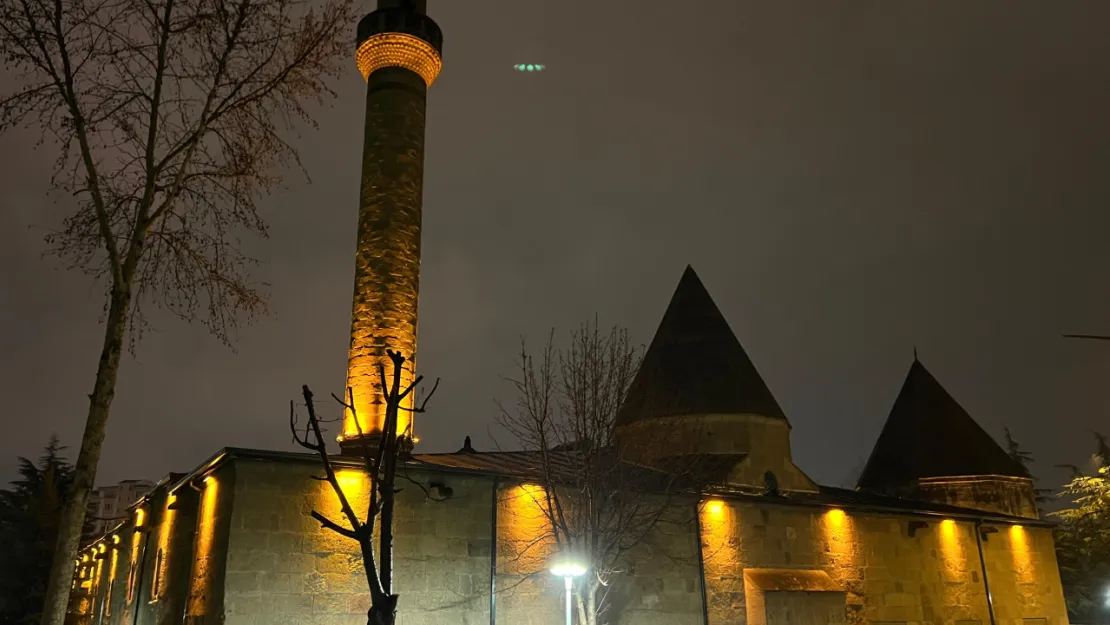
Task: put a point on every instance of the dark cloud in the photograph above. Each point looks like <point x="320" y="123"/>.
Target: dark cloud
<point x="849" y="180"/>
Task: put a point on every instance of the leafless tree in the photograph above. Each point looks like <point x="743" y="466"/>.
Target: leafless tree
<point x="596" y="507"/>
<point x="172" y="119"/>
<point x="380" y="462"/>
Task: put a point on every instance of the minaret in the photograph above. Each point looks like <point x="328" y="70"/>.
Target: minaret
<point x="398" y="53"/>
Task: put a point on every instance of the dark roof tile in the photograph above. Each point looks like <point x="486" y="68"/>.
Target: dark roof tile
<point x="695" y="364"/>
<point x="928" y="434"/>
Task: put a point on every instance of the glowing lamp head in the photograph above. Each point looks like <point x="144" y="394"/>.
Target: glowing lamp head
<point x="568" y="566"/>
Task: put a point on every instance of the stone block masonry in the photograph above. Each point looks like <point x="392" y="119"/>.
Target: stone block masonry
<point x="661" y="584"/>
<point x="885" y="575"/>
<point x="238" y="547"/>
<point x="387" y="256"/>
<point x="284" y="568"/>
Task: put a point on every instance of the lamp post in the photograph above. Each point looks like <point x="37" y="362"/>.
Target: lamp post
<point x="568" y="567"/>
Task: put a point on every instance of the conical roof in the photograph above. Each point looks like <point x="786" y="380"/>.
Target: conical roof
<point x="928" y="434"/>
<point x="695" y="365"/>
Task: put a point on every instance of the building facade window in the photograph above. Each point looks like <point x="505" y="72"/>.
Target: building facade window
<point x="131" y="574"/>
<point x="158" y="577"/>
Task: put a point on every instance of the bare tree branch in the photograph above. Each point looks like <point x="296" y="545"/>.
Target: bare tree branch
<point x="594" y="504"/>
<point x="333" y="526"/>
<point x="171" y="120"/>
<point x="381" y="465"/>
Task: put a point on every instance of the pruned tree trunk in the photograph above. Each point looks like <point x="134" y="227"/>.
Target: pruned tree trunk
<point x="380" y="463"/>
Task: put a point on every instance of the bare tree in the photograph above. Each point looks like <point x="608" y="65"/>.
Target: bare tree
<point x="380" y="463"/>
<point x="596" y="506"/>
<point x="171" y="118"/>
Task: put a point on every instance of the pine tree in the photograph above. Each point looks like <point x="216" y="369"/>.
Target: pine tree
<point x="1024" y="459"/>
<point x="29" y="515"/>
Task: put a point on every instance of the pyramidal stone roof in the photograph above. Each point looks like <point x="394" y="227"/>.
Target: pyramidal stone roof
<point x="928" y="434"/>
<point x="695" y="365"/>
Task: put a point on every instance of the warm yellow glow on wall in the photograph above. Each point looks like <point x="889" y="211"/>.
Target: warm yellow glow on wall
<point x="98" y="576"/>
<point x="840" y="549"/>
<point x="719" y="542"/>
<point x="951" y="546"/>
<point x="399" y="50"/>
<point x="721" y="558"/>
<point x="133" y="564"/>
<point x="165" y="533"/>
<point x="353" y="482"/>
<point x="140" y="517"/>
<point x="111" y="578"/>
<point x="1022" y="553"/>
<point x="525" y="539"/>
<point x="204" y="565"/>
<point x="115" y="539"/>
<point x="715" y="508"/>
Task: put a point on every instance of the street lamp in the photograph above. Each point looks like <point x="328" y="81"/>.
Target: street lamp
<point x="568" y="567"/>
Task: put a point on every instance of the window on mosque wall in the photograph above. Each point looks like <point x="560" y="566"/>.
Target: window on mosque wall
<point x="159" y="576"/>
<point x="131" y="585"/>
<point x="111" y="578"/>
<point x="133" y="565"/>
<point x="161" y="561"/>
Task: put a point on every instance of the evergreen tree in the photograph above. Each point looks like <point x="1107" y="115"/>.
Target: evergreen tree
<point x="29" y="515"/>
<point x="1102" y="452"/>
<point x="1083" y="541"/>
<point x="1025" y="458"/>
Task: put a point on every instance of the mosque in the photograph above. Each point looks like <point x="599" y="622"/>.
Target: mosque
<point x="942" y="528"/>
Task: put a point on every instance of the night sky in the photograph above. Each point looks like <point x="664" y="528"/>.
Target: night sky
<point x="849" y="179"/>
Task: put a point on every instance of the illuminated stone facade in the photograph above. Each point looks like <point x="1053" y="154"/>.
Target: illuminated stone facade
<point x="240" y="549"/>
<point x="399" y="53"/>
<point x="940" y="515"/>
<point x="997" y="493"/>
<point x="880" y="573"/>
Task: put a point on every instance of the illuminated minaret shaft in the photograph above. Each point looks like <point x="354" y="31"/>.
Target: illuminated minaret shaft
<point x="398" y="53"/>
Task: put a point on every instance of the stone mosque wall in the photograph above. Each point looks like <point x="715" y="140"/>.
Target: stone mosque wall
<point x="239" y="548"/>
<point x="883" y="574"/>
